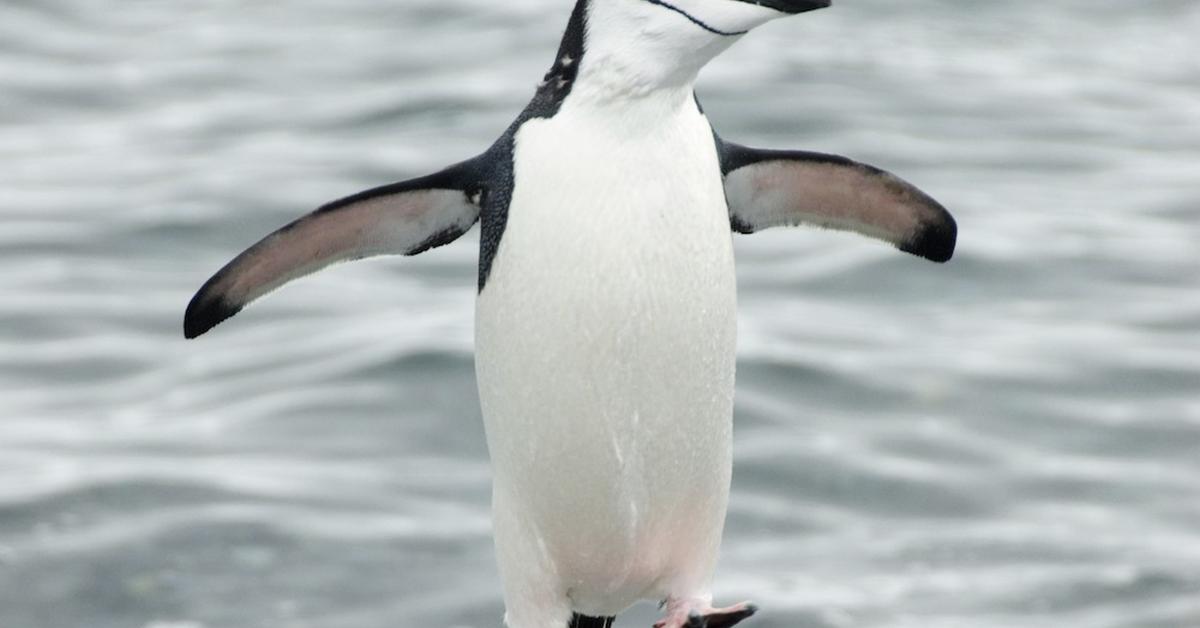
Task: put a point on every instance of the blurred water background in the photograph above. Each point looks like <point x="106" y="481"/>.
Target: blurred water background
<point x="1011" y="440"/>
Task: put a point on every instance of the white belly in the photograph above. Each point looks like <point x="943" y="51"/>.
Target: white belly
<point x="605" y="358"/>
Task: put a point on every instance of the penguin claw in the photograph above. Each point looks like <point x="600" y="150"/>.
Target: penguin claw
<point x="711" y="617"/>
<point x="726" y="618"/>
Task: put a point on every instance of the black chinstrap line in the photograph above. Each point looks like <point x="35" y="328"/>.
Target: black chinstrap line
<point x="695" y="20"/>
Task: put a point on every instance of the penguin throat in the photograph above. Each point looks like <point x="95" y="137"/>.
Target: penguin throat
<point x="616" y="51"/>
<point x="697" y="21"/>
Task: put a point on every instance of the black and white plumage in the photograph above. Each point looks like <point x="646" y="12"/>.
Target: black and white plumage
<point x="606" y="314"/>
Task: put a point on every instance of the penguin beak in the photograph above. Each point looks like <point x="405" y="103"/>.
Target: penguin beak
<point x="792" y="7"/>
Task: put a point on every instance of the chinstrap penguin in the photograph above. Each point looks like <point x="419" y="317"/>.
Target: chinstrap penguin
<point x="605" y="318"/>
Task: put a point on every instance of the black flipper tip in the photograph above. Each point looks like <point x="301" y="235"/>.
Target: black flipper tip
<point x="935" y="241"/>
<point x="204" y="313"/>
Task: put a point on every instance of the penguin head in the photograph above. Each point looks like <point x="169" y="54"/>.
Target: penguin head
<point x="722" y="18"/>
<point x="666" y="42"/>
<point x="735" y="17"/>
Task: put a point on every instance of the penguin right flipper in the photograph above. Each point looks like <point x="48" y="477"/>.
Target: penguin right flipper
<point x="403" y="218"/>
<point x="771" y="188"/>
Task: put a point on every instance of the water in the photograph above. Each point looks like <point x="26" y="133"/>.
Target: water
<point x="1011" y="440"/>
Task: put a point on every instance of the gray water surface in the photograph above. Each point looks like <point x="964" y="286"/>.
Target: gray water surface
<point x="1010" y="440"/>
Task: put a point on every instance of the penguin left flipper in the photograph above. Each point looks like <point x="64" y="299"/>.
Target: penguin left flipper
<point x="403" y="218"/>
<point x="771" y="188"/>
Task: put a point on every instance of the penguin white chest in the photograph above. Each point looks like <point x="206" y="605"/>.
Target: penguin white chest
<point x="605" y="355"/>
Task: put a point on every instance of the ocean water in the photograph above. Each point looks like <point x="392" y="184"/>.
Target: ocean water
<point x="1010" y="440"/>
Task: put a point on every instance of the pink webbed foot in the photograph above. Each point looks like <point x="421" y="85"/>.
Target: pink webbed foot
<point x="681" y="615"/>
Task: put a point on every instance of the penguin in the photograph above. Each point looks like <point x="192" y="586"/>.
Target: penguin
<point x="606" y="305"/>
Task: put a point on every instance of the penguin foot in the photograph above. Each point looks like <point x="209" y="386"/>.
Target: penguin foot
<point x="680" y="616"/>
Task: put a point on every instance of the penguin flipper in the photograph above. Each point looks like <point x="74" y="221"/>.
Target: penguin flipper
<point x="403" y="218"/>
<point x="771" y="188"/>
